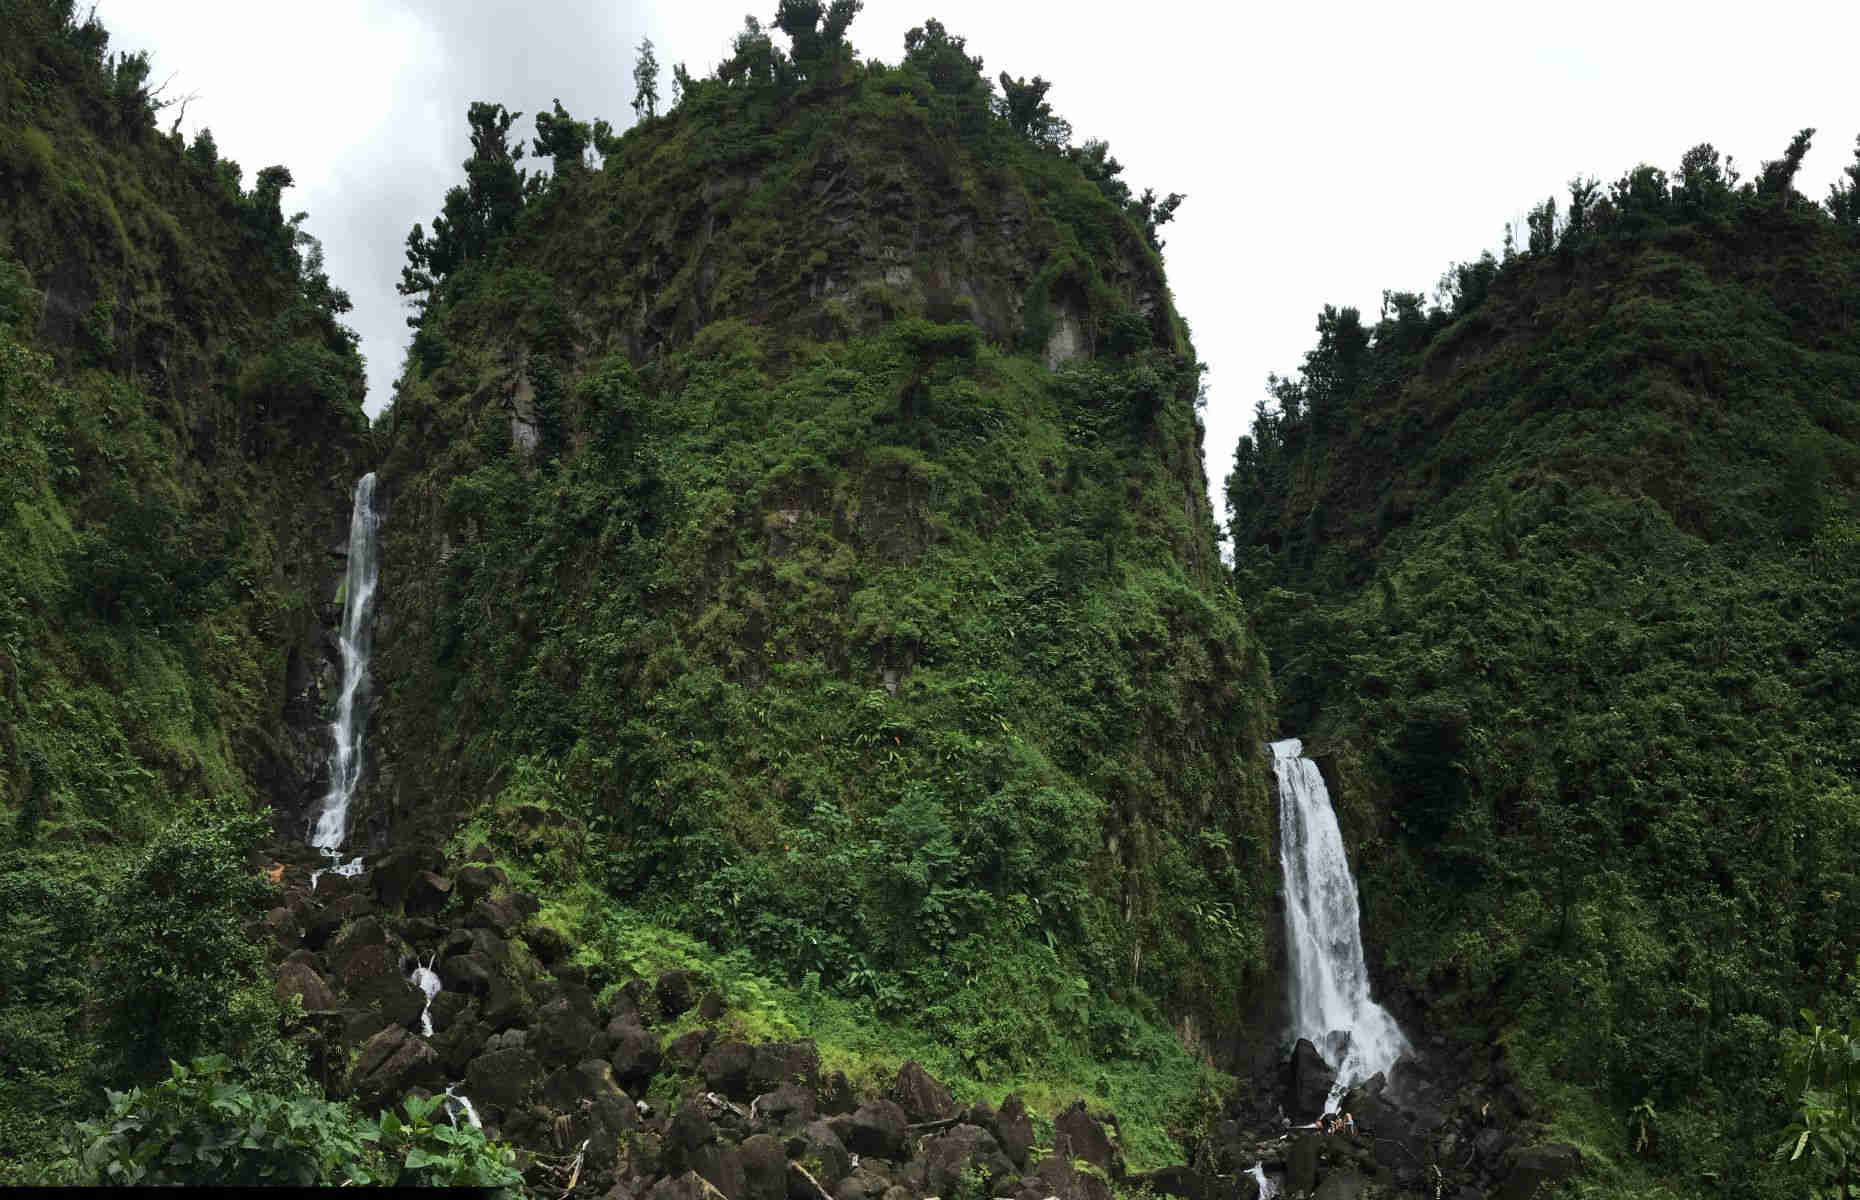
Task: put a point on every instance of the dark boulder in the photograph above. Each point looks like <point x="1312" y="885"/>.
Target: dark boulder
<point x="921" y="1095"/>
<point x="427" y="893"/>
<point x="550" y="944"/>
<point x="1301" y="1163"/>
<point x="371" y="978"/>
<point x="503" y="1077"/>
<point x="1535" y="1166"/>
<point x="710" y="1008"/>
<point x="563" y="1031"/>
<point x="394" y="874"/>
<point x="391" y="1062"/>
<point x="950" y="1156"/>
<point x="837" y="1096"/>
<point x="785" y="1108"/>
<point x="1175" y="1181"/>
<point x="876" y="1129"/>
<point x="593" y="1106"/>
<point x="722" y="1166"/>
<point x="687" y="1051"/>
<point x="819" y="1151"/>
<point x="679" y="1187"/>
<point x="690" y="1129"/>
<point x="475" y="883"/>
<point x="496" y="913"/>
<point x="470" y="974"/>
<point x="725" y="1069"/>
<point x="1308" y="1084"/>
<point x="779" y="1063"/>
<point x="634" y="1054"/>
<point x="1014" y="1130"/>
<point x="765" y="1168"/>
<point x="300" y="980"/>
<point x="1078" y="1134"/>
<point x="1342" y="1184"/>
<point x="677" y="991"/>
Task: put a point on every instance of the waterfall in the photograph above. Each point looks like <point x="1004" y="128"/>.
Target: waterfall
<point x="357" y="641"/>
<point x="1329" y="981"/>
<point x="455" y="1103"/>
<point x="1267" y="1188"/>
<point x="428" y="982"/>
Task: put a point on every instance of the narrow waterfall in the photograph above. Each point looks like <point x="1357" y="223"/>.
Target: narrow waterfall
<point x="428" y="982"/>
<point x="456" y="1104"/>
<point x="1329" y="981"/>
<point x="357" y="641"/>
<point x="1267" y="1188"/>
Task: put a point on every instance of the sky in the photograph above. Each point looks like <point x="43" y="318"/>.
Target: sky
<point x="1328" y="152"/>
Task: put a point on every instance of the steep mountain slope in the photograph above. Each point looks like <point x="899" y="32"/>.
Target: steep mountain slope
<point x="179" y="420"/>
<point x="804" y="510"/>
<point x="1562" y="576"/>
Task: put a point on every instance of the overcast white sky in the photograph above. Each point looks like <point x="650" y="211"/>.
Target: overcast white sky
<point x="1328" y="151"/>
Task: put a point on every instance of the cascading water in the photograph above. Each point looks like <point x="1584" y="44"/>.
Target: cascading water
<point x="456" y="1103"/>
<point x="428" y="982"/>
<point x="351" y="723"/>
<point x="1329" y="981"/>
<point x="1267" y="1188"/>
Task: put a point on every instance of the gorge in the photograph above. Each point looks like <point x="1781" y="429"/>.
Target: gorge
<point x="794" y="735"/>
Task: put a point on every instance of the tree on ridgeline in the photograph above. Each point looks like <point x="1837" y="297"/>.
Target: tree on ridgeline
<point x="476" y="215"/>
<point x="1844" y="197"/>
<point x="817" y="34"/>
<point x="1023" y="105"/>
<point x="562" y="139"/>
<point x="646" y="82"/>
<point x="1776" y="181"/>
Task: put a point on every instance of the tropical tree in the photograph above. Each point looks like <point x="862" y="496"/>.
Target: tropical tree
<point x="476" y="215"/>
<point x="1023" y="105"/>
<point x="646" y="82"/>
<point x="1823" y="1066"/>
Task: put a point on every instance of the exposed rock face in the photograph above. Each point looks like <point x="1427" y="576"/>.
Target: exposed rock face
<point x="920" y="1095"/>
<point x="1077" y="1134"/>
<point x="1308" y="1084"/>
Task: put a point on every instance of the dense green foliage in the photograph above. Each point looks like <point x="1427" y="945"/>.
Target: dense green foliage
<point x="782" y="552"/>
<point x="160" y="428"/>
<point x="201" y="1128"/>
<point x="1561" y="573"/>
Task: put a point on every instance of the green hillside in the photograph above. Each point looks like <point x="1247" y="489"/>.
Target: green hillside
<point x="179" y="417"/>
<point x="1561" y="575"/>
<point x="806" y="506"/>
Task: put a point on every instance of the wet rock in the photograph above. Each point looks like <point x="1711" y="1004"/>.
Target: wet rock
<point x="371" y="978"/>
<point x="876" y="1129"/>
<point x="503" y="1077"/>
<point x="634" y="1054"/>
<point x="1014" y="1130"/>
<point x="391" y="1062"/>
<point x="1078" y="1134"/>
<point x="1308" y="1083"/>
<point x="676" y="992"/>
<point x="949" y="1156"/>
<point x="921" y="1095"/>
<point x="1535" y="1166"/>
<point x="765" y="1168"/>
<point x="298" y="979"/>
<point x="322" y="924"/>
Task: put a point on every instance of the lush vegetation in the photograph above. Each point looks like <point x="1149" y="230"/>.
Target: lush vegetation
<point x="160" y="428"/>
<point x="761" y="539"/>
<point x="1560" y="573"/>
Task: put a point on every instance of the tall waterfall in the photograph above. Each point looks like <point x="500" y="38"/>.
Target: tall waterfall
<point x="1329" y="981"/>
<point x="351" y="723"/>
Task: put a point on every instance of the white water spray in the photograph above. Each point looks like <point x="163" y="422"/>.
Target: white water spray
<point x="456" y="1103"/>
<point x="1267" y="1188"/>
<point x="1329" y="981"/>
<point x="351" y="723"/>
<point x="424" y="979"/>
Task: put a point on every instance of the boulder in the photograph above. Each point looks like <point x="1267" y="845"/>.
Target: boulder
<point x="1308" y="1083"/>
<point x="778" y="1063"/>
<point x="503" y="1077"/>
<point x="563" y="1031"/>
<point x="876" y="1129"/>
<point x="1014" y="1130"/>
<point x="1344" y="1184"/>
<point x="1534" y="1166"/>
<point x="949" y="1157"/>
<point x="687" y="1051"/>
<point x="550" y="944"/>
<point x="390" y="1063"/>
<point x="786" y="1107"/>
<point x="1078" y="1134"/>
<point x="710" y="1008"/>
<point x="372" y="979"/>
<point x="282" y="927"/>
<point x="920" y="1095"/>
<point x="470" y="974"/>
<point x="725" y="1069"/>
<point x="394" y="874"/>
<point x="1175" y="1181"/>
<point x="1057" y="1177"/>
<point x="427" y="893"/>
<point x="837" y="1096"/>
<point x="300" y="980"/>
<point x="474" y="883"/>
<point x="634" y="1054"/>
<point x="722" y="1166"/>
<point x="677" y="991"/>
<point x="597" y="1110"/>
<point x="818" y="1149"/>
<point x="690" y="1129"/>
<point x="1301" y="1163"/>
<point x="498" y="913"/>
<point x="679" y="1187"/>
<point x="765" y="1168"/>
